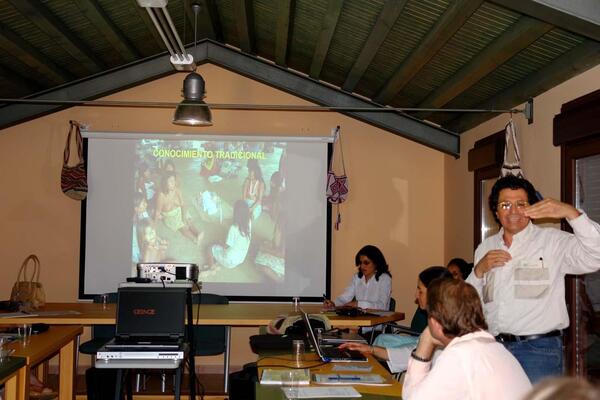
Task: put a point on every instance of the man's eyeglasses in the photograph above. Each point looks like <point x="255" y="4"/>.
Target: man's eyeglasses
<point x="507" y="205"/>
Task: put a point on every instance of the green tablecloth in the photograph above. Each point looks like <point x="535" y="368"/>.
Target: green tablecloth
<point x="10" y="365"/>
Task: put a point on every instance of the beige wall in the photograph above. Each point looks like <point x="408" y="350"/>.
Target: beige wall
<point x="396" y="200"/>
<point x="540" y="159"/>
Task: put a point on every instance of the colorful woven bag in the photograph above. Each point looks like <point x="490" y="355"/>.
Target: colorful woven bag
<point x="73" y="179"/>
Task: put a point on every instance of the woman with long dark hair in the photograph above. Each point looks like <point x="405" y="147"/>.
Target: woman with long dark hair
<point x="371" y="286"/>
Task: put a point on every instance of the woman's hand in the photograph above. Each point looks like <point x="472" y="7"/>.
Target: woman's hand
<point x="328" y="304"/>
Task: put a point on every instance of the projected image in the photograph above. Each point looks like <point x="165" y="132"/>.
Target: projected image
<point x="215" y="204"/>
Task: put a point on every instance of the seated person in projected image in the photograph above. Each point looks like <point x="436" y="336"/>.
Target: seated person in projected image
<point x="210" y="166"/>
<point x="140" y="215"/>
<point x="459" y="268"/>
<point x="237" y="244"/>
<point x="153" y="247"/>
<point x="170" y="209"/>
<point x="396" y="348"/>
<point x="371" y="286"/>
<point x="254" y="188"/>
<point x="273" y="204"/>
<point x="146" y="185"/>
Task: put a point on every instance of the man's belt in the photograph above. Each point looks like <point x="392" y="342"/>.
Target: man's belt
<point x="507" y="337"/>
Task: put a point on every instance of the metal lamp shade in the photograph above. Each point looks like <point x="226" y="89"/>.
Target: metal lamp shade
<point x="192" y="111"/>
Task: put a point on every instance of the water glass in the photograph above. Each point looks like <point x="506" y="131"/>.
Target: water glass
<point x="104" y="300"/>
<point x="296" y="303"/>
<point x="24" y="332"/>
<point x="298" y="351"/>
<point x="290" y="384"/>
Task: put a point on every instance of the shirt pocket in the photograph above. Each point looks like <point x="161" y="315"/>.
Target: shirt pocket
<point x="531" y="279"/>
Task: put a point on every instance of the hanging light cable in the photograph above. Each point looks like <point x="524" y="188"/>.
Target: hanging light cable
<point x="193" y="111"/>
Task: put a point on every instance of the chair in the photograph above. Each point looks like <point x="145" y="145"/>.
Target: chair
<point x="418" y="324"/>
<point x="101" y="334"/>
<point x="391" y="307"/>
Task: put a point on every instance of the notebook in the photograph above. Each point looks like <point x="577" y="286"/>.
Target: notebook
<point x="333" y="354"/>
<point x="149" y="318"/>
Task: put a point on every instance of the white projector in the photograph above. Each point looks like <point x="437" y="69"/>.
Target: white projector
<point x="168" y="272"/>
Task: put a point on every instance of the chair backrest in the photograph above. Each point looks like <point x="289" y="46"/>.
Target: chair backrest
<point x="104" y="331"/>
<point x="392" y="306"/>
<point x="209" y="340"/>
<point x="419" y="321"/>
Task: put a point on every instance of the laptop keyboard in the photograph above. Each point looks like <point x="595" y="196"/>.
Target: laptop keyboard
<point x="144" y="342"/>
<point x="336" y="353"/>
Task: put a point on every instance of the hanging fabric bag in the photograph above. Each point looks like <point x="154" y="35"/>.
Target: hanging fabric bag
<point x="73" y="179"/>
<point x="29" y="291"/>
<point x="511" y="166"/>
<point x="337" y="185"/>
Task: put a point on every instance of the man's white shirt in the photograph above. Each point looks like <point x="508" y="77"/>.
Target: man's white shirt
<point x="526" y="296"/>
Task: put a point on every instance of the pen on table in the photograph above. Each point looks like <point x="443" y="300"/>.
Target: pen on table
<point x="341" y="378"/>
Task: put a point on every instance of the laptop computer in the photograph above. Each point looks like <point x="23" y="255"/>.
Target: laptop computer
<point x="149" y="318"/>
<point x="331" y="353"/>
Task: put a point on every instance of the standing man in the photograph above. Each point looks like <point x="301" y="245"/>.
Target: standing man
<point x="473" y="365"/>
<point x="519" y="273"/>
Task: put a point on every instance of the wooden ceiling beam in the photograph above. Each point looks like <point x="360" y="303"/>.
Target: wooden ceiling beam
<point x="449" y="23"/>
<point x="581" y="17"/>
<point x="32" y="57"/>
<point x="41" y="17"/>
<point x="246" y="65"/>
<point x="282" y="35"/>
<point x="207" y="26"/>
<point x="572" y="63"/>
<point x="98" y="17"/>
<point x="24" y="84"/>
<point x="143" y="14"/>
<point x="516" y="38"/>
<point x="244" y="17"/>
<point x="384" y="24"/>
<point x="328" y="25"/>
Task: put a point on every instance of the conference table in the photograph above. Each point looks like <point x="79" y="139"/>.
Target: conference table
<point x="36" y="349"/>
<point x="391" y="389"/>
<point x="229" y="315"/>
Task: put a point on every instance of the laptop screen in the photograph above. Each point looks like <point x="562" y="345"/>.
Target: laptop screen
<point x="311" y="333"/>
<point x="151" y="311"/>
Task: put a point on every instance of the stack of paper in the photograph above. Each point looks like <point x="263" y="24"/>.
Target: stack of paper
<point x="285" y="377"/>
<point x="322" y="392"/>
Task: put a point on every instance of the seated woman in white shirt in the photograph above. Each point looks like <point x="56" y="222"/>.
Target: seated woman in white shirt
<point x="396" y="348"/>
<point x="371" y="286"/>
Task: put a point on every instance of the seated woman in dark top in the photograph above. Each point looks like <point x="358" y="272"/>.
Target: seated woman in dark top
<point x="396" y="348"/>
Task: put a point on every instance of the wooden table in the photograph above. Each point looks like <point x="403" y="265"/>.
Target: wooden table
<point x="233" y="314"/>
<point x="228" y="315"/>
<point x="13" y="375"/>
<point x="36" y="349"/>
<point x="268" y="392"/>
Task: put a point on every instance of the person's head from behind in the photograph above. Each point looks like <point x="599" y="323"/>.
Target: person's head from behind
<point x="454" y="309"/>
<point x="371" y="262"/>
<point x="459" y="268"/>
<point x="169" y="166"/>
<point x="427" y="276"/>
<point x="276" y="182"/>
<point x="564" y="388"/>
<point x="508" y="199"/>
<point x="241" y="217"/>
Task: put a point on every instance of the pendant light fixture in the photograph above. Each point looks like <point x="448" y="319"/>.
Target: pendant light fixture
<point x="193" y="111"/>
